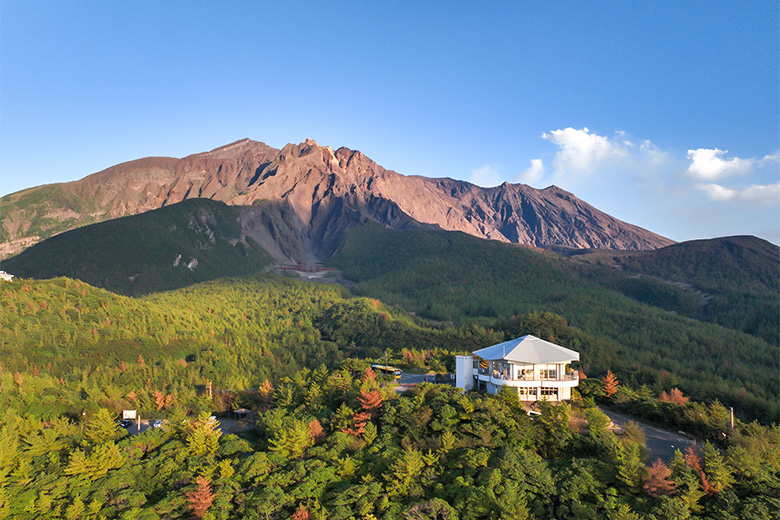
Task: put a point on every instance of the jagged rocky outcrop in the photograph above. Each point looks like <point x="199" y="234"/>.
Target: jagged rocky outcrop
<point x="325" y="191"/>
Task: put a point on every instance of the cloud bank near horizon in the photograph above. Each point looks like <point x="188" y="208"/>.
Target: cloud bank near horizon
<point x="637" y="181"/>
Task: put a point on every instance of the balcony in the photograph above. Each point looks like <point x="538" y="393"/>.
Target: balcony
<point x="533" y="380"/>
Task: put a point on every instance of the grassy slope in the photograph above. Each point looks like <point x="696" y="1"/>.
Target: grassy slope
<point x="135" y="255"/>
<point x="452" y="276"/>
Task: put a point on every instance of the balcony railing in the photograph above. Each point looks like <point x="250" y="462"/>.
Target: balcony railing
<point x="574" y="376"/>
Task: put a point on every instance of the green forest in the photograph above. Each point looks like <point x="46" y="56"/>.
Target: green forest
<point x="328" y="438"/>
<point x="342" y="444"/>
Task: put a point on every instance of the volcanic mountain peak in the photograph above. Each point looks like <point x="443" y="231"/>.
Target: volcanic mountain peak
<point x="238" y="149"/>
<point x="314" y="181"/>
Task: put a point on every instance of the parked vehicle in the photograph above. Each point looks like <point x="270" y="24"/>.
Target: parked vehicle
<point x="389" y="370"/>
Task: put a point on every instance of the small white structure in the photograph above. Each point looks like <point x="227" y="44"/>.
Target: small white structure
<point x="5" y="276"/>
<point x="537" y="368"/>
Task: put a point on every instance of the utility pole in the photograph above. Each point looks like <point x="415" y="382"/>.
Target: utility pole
<point x="731" y="415"/>
<point x="208" y="387"/>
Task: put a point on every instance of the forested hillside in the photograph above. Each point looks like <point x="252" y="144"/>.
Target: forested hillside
<point x="247" y="329"/>
<point x="160" y="250"/>
<point x="733" y="281"/>
<point x="329" y="439"/>
<point x="454" y="277"/>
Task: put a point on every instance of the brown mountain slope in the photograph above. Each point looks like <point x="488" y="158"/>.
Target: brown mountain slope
<point x="327" y="191"/>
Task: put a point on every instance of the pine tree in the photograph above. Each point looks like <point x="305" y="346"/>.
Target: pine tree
<point x="718" y="473"/>
<point x="371" y="401"/>
<point x="100" y="427"/>
<point x="657" y="483"/>
<point x="301" y="513"/>
<point x="200" y="499"/>
<point x="674" y="396"/>
<point x="693" y="461"/>
<point x="316" y="433"/>
<point x="203" y="435"/>
<point x="369" y="376"/>
<point x="610" y="384"/>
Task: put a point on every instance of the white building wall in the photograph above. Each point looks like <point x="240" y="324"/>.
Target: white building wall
<point x="464" y="372"/>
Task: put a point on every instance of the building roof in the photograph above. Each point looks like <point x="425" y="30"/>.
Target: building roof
<point x="528" y="349"/>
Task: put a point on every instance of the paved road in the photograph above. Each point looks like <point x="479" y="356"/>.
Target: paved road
<point x="409" y="380"/>
<point x="226" y="425"/>
<point x="659" y="443"/>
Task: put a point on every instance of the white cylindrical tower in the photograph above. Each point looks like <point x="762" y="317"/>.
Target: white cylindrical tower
<point x="464" y="372"/>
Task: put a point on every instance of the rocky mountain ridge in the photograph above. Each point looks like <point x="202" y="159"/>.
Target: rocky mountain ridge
<point x="325" y="192"/>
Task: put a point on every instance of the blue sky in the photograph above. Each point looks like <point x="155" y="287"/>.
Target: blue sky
<point x="663" y="114"/>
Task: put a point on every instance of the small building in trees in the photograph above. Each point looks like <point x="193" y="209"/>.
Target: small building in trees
<point x="538" y="369"/>
<point x="6" y="276"/>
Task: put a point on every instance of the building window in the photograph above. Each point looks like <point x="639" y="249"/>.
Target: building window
<point x="550" y="392"/>
<point x="547" y="373"/>
<point x="526" y="391"/>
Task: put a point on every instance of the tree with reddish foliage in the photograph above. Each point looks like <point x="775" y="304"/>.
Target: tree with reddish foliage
<point x="693" y="461"/>
<point x="369" y="376"/>
<point x="581" y="374"/>
<point x="371" y="401"/>
<point x="361" y="419"/>
<point x="163" y="401"/>
<point x="316" y="433"/>
<point x="674" y="396"/>
<point x="657" y="482"/>
<point x="610" y="384"/>
<point x="201" y="498"/>
<point x="301" y="513"/>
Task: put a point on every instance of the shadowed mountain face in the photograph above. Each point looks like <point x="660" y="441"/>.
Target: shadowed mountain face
<point x="739" y="263"/>
<point x="327" y="192"/>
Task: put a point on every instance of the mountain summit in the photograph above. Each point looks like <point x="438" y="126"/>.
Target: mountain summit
<point x="321" y="193"/>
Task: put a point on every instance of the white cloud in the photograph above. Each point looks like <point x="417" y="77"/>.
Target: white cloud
<point x="705" y="193"/>
<point x="707" y="164"/>
<point x="717" y="192"/>
<point x="583" y="151"/>
<point x="769" y="161"/>
<point x="533" y="174"/>
<point x="768" y="194"/>
<point x="762" y="194"/>
<point x="486" y="176"/>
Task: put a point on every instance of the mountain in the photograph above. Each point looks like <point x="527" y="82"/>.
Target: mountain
<point x="163" y="249"/>
<point x="326" y="191"/>
<point x="738" y="262"/>
<point x="736" y="279"/>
